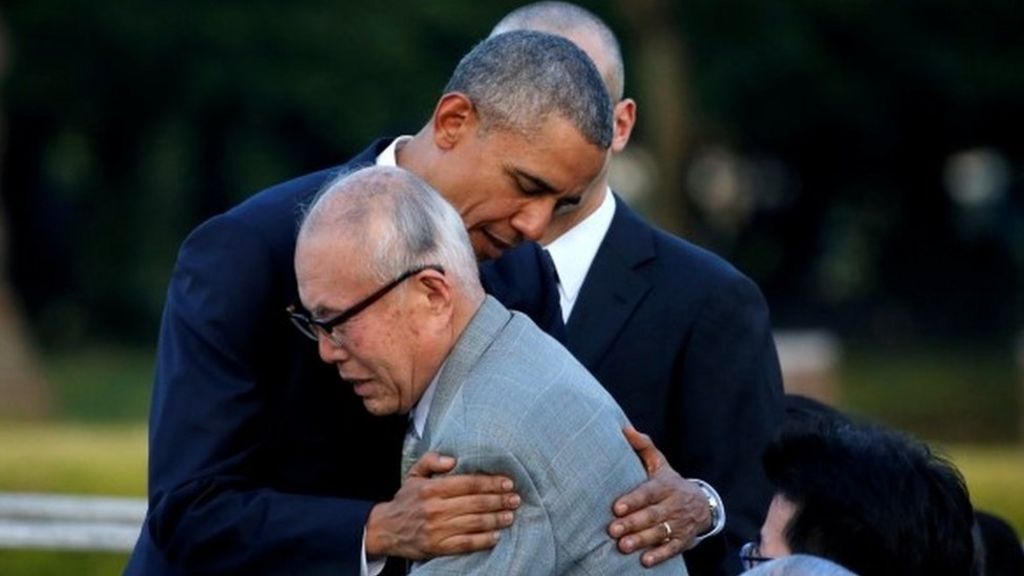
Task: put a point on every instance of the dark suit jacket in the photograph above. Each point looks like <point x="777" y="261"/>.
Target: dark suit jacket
<point x="261" y="461"/>
<point x="254" y="466"/>
<point x="682" y="340"/>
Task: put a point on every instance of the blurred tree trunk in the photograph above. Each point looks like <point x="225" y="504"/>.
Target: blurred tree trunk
<point x="660" y="64"/>
<point x="23" y="391"/>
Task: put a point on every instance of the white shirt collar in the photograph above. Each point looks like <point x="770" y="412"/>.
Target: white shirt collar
<point x="389" y="156"/>
<point x="574" y="251"/>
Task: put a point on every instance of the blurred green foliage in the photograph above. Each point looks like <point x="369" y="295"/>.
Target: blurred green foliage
<point x="129" y="124"/>
<point x="101" y="384"/>
<point x="135" y="122"/>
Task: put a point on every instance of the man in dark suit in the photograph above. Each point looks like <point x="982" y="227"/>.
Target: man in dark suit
<point x="680" y="338"/>
<point x="261" y="460"/>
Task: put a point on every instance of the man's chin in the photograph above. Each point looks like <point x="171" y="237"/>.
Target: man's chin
<point x="376" y="408"/>
<point x="485" y="251"/>
<point x="487" y="246"/>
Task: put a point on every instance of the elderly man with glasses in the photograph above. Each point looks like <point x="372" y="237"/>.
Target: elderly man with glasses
<point x="390" y="291"/>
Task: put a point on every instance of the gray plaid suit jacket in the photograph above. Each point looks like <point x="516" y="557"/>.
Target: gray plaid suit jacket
<point x="511" y="400"/>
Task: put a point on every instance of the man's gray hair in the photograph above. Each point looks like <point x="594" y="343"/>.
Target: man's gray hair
<point x="563" y="18"/>
<point x="519" y="79"/>
<point x="799" y="565"/>
<point x="397" y="221"/>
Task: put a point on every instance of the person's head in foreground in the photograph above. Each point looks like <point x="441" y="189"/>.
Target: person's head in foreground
<point x="389" y="281"/>
<point x="873" y="500"/>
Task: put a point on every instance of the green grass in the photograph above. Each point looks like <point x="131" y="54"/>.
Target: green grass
<point x="48" y="563"/>
<point x="995" y="477"/>
<point x="936" y="393"/>
<point x="75" y="459"/>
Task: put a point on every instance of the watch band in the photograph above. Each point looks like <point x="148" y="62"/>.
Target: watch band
<point x="715" y="506"/>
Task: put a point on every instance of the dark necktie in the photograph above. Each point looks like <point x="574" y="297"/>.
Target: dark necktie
<point x="549" y="265"/>
<point x="525" y="279"/>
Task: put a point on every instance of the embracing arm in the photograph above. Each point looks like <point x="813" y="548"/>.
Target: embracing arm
<point x="212" y="508"/>
<point x="667" y="514"/>
<point x="731" y="406"/>
<point x="728" y="405"/>
<point x="527" y="547"/>
<point x="226" y="360"/>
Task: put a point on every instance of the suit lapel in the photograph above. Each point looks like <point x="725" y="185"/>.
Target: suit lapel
<point x="478" y="336"/>
<point x="615" y="284"/>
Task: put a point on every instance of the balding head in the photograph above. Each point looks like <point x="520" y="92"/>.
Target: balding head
<point x="394" y="221"/>
<point x="388" y="282"/>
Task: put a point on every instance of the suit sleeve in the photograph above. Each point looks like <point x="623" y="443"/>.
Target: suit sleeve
<point x="731" y="406"/>
<point x="527" y="547"/>
<point x="568" y="465"/>
<point x="210" y="511"/>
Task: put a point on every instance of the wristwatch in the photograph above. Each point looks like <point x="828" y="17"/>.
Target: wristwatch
<point x="715" y="507"/>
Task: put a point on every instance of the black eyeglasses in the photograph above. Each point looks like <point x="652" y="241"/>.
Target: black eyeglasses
<point x="312" y="328"/>
<point x="750" y="555"/>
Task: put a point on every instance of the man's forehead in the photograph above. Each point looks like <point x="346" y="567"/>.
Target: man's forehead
<point x="328" y="256"/>
<point x="552" y="155"/>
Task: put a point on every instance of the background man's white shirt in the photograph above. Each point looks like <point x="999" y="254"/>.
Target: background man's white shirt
<point x="574" y="252"/>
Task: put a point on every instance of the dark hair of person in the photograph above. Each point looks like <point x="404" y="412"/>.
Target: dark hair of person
<point x="871" y="499"/>
<point x="519" y="79"/>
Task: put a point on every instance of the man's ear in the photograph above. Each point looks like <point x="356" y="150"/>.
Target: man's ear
<point x="437" y="292"/>
<point x="453" y="118"/>
<point x="624" y="115"/>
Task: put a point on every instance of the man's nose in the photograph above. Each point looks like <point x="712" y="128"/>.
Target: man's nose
<point x="533" y="218"/>
<point x="330" y="352"/>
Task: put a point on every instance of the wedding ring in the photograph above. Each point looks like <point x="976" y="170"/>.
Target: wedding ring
<point x="668" y="531"/>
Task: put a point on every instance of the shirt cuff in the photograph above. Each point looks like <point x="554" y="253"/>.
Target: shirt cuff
<point x="715" y="505"/>
<point x="369" y="567"/>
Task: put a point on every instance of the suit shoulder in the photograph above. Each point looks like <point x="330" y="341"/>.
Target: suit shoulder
<point x="524" y="371"/>
<point x="679" y="260"/>
<point x="283" y="202"/>
<point x="678" y="249"/>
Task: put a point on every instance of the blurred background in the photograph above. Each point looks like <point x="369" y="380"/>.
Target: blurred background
<point x="863" y="161"/>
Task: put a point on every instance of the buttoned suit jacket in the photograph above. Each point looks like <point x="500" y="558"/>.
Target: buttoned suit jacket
<point x="261" y="460"/>
<point x="511" y="400"/>
<point x="682" y="340"/>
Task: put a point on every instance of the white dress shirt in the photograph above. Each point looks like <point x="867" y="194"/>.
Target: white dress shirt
<point x="574" y="252"/>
